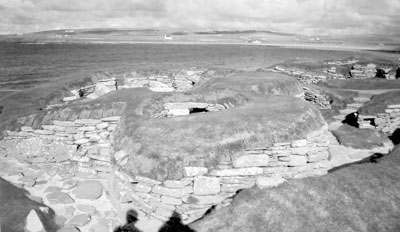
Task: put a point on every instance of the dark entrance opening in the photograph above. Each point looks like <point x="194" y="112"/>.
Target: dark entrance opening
<point x="395" y="137"/>
<point x="197" y="110"/>
<point x="352" y="120"/>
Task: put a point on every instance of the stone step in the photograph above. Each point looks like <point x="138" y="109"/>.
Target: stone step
<point x="361" y="99"/>
<point x="354" y="105"/>
<point x="347" y="111"/>
<point x="340" y="117"/>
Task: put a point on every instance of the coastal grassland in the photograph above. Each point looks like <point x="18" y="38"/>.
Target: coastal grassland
<point x="359" y="197"/>
<point x="379" y="103"/>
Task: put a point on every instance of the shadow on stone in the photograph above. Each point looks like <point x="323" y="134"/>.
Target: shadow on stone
<point x="174" y="224"/>
<point x="395" y="137"/>
<point x="351" y="119"/>
<point x="371" y="159"/>
<point x="131" y="219"/>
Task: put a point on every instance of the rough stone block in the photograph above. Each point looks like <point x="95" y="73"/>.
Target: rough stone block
<point x="206" y="185"/>
<point x="177" y="193"/>
<point x="299" y="143"/>
<point x="171" y="200"/>
<point x="86" y="128"/>
<point x="251" y="161"/>
<point x="177" y="183"/>
<point x="64" y="123"/>
<point x="300" y="151"/>
<point x="147" y="180"/>
<point x="82" y="141"/>
<point x="296" y="160"/>
<point x="238" y="172"/>
<point x="111" y="119"/>
<point x="43" y="132"/>
<point x="142" y="188"/>
<point x="102" y="125"/>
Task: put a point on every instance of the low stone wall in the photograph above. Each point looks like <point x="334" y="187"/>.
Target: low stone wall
<point x="202" y="188"/>
<point x="316" y="98"/>
<point x="181" y="81"/>
<point x="359" y="71"/>
<point x="301" y="75"/>
<point x="386" y="122"/>
<point x="66" y="137"/>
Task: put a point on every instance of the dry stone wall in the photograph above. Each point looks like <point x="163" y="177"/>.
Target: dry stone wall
<point x="329" y="70"/>
<point x="316" y="98"/>
<point x="201" y="188"/>
<point x="387" y="122"/>
<point x="85" y="139"/>
<point x="181" y="81"/>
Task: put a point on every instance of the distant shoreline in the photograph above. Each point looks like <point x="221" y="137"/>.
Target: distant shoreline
<point x="328" y="47"/>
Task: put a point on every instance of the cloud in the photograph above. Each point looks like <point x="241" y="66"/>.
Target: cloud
<point x="298" y="16"/>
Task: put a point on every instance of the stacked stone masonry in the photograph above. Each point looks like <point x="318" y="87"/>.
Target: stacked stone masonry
<point x="358" y="70"/>
<point x="86" y="140"/>
<point x="202" y="188"/>
<point x="386" y="122"/>
<point x="316" y="98"/>
<point x="56" y="136"/>
<point x="180" y="81"/>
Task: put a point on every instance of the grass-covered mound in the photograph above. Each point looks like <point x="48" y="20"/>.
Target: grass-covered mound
<point x="158" y="147"/>
<point x="360" y="138"/>
<point x="34" y="100"/>
<point x="360" y="197"/>
<point x="255" y="83"/>
<point x="379" y="103"/>
<point x="15" y="207"/>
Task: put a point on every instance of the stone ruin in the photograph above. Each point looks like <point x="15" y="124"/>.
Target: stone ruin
<point x="329" y="71"/>
<point x="386" y="122"/>
<point x="81" y="140"/>
<point x="179" y="81"/>
<point x="316" y="98"/>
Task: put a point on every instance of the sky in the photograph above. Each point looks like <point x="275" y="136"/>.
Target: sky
<point x="292" y="16"/>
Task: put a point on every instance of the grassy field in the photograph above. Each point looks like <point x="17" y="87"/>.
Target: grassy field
<point x="379" y="103"/>
<point x="360" y="197"/>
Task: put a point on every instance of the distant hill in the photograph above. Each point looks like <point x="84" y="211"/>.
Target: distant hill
<point x="241" y="32"/>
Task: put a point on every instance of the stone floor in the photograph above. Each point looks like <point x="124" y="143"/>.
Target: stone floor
<point x="79" y="200"/>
